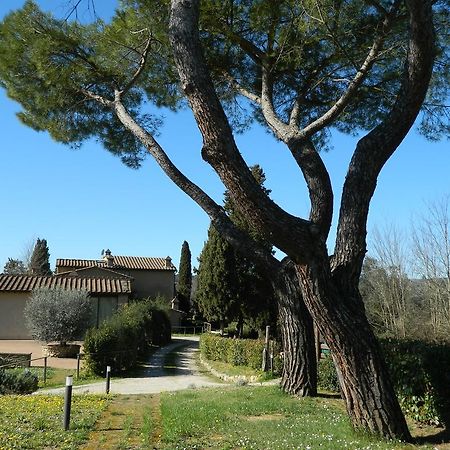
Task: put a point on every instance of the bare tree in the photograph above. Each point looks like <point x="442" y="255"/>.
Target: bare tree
<point x="431" y="244"/>
<point x="385" y="285"/>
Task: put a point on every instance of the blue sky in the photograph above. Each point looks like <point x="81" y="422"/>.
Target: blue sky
<point x="86" y="200"/>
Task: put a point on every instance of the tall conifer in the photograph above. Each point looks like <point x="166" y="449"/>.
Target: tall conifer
<point x="230" y="286"/>
<point x="40" y="259"/>
<point x="185" y="278"/>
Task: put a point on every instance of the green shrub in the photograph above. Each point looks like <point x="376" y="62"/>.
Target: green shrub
<point x="13" y="382"/>
<point x="327" y="378"/>
<point x="57" y="315"/>
<point x="118" y="341"/>
<point x="421" y="375"/>
<point x="238" y="352"/>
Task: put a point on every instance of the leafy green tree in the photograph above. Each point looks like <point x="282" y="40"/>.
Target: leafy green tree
<point x="216" y="296"/>
<point x="305" y="68"/>
<point x="14" y="267"/>
<point x="249" y="297"/>
<point x="185" y="278"/>
<point x="255" y="291"/>
<point x="58" y="315"/>
<point x="40" y="259"/>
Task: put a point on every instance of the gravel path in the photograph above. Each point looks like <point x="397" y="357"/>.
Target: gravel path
<point x="154" y="377"/>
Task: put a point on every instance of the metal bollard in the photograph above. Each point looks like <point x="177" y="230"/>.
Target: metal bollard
<point x="78" y="366"/>
<point x="45" y="369"/>
<point x="67" y="402"/>
<point x="108" y="378"/>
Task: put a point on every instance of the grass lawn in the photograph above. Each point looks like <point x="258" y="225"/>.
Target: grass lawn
<point x="229" y="418"/>
<point x="260" y="418"/>
<point x="35" y="421"/>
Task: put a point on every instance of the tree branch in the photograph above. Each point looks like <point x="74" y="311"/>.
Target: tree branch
<point x="318" y="182"/>
<point x="237" y="237"/>
<point x="140" y="68"/>
<point x="284" y="230"/>
<point x="282" y="130"/>
<point x="98" y="98"/>
<point x="374" y="149"/>
<point x="310" y="163"/>
<point x="241" y="90"/>
<point x="354" y="85"/>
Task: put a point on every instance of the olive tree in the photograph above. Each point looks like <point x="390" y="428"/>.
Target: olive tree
<point x="58" y="315"/>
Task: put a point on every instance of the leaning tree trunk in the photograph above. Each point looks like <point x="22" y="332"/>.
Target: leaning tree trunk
<point x="299" y="375"/>
<point x="365" y="383"/>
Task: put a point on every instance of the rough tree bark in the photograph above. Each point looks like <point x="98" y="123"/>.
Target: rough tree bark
<point x="330" y="292"/>
<point x="365" y="385"/>
<point x="299" y="375"/>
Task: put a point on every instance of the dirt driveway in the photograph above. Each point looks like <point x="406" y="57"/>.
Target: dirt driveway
<point x="182" y="373"/>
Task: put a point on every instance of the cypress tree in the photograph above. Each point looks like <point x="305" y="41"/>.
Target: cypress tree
<point x="185" y="278"/>
<point x="230" y="286"/>
<point x="40" y="259"/>
<point x="217" y="292"/>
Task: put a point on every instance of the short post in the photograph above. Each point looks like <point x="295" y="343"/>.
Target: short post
<point x="108" y="378"/>
<point x="67" y="402"/>
<point x="45" y="369"/>
<point x="78" y="366"/>
<point x="265" y="363"/>
<point x="271" y="357"/>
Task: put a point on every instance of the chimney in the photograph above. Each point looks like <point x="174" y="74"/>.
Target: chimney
<point x="168" y="262"/>
<point x="109" y="258"/>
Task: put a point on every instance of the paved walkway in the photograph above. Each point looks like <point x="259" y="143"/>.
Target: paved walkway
<point x="155" y="378"/>
<point x="35" y="348"/>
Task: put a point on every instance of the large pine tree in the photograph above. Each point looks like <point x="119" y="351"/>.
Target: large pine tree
<point x="40" y="259"/>
<point x="306" y="68"/>
<point x="185" y="278"/>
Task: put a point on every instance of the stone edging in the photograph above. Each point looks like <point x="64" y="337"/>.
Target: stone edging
<point x="229" y="378"/>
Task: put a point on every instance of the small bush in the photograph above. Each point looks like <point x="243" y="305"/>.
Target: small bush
<point x="57" y="315"/>
<point x="327" y="378"/>
<point x="421" y="375"/>
<point x="13" y="382"/>
<point x="118" y="341"/>
<point x="238" y="352"/>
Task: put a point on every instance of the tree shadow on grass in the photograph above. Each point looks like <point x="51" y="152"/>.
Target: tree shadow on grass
<point x="329" y="395"/>
<point x="442" y="436"/>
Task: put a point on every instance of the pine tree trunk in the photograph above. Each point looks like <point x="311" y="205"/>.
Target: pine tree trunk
<point x="299" y="375"/>
<point x="370" y="399"/>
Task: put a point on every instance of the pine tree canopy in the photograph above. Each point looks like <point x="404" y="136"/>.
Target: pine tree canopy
<point x="313" y="57"/>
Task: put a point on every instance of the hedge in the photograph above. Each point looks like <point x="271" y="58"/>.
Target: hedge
<point x="421" y="375"/>
<point x="119" y="340"/>
<point x="14" y="382"/>
<point x="238" y="352"/>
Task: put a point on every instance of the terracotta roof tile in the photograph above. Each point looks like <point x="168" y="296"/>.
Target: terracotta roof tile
<point x="26" y="283"/>
<point x="120" y="262"/>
